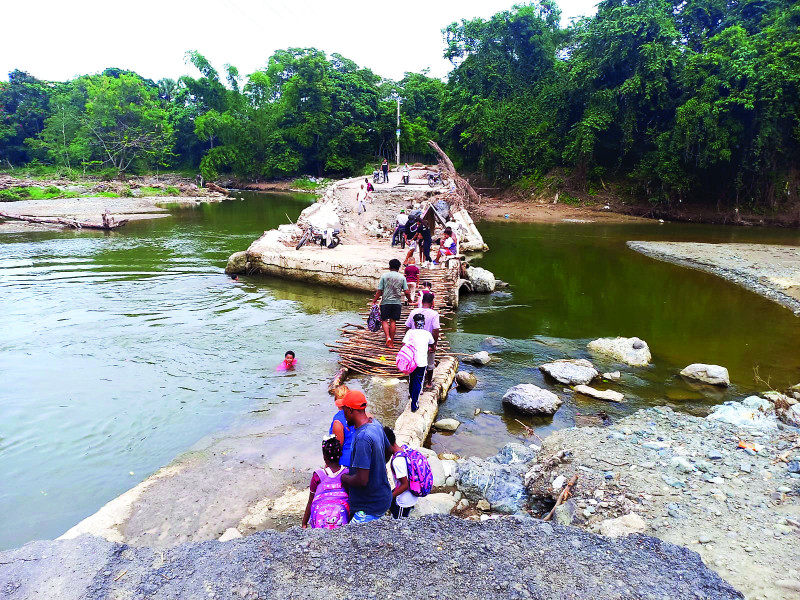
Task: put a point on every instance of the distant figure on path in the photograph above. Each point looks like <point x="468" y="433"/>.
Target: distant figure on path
<point x="289" y="362"/>
<point x="385" y="169"/>
<point x="361" y="200"/>
<point x="412" y="277"/>
<point x="432" y="326"/>
<point x="328" y="506"/>
<point x="421" y="340"/>
<point x="391" y="288"/>
<point x="400" y="224"/>
<point x="406" y="173"/>
<point x="368" y="183"/>
<point x="367" y="482"/>
<point x="403" y="500"/>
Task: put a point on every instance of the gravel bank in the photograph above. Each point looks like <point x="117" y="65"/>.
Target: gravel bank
<point x="693" y="486"/>
<point x="772" y="271"/>
<point x="432" y="557"/>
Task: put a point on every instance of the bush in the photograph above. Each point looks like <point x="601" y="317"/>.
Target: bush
<point x="8" y="196"/>
<point x="172" y="190"/>
<point x="126" y="192"/>
<point x="52" y="190"/>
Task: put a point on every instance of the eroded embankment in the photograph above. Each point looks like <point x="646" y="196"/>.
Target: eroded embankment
<point x="434" y="557"/>
<point x="770" y="270"/>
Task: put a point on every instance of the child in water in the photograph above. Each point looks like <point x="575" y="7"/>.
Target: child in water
<point x="328" y="503"/>
<point x="289" y="362"/>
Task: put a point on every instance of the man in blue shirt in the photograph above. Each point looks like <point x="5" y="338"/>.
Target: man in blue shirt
<point x="367" y="482"/>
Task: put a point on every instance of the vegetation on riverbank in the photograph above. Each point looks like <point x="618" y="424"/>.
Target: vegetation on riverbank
<point x="675" y="102"/>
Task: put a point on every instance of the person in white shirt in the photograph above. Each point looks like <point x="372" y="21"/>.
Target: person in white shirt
<point x="400" y="226"/>
<point x="420" y="339"/>
<point x="403" y="500"/>
<point x="361" y="200"/>
<point x="406" y="173"/>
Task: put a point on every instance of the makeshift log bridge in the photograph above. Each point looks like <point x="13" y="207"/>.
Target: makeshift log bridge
<point x="364" y="352"/>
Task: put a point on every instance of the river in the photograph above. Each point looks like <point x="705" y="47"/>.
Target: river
<point x="120" y="351"/>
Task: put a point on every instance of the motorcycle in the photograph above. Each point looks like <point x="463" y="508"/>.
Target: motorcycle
<point x="376" y="177"/>
<point x="327" y="239"/>
<point x="436" y="178"/>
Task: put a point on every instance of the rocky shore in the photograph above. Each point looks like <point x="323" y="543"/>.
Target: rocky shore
<point x="731" y="493"/>
<point x="769" y="270"/>
<point x="433" y="557"/>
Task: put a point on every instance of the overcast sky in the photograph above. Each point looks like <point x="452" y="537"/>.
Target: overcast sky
<point x="59" y="39"/>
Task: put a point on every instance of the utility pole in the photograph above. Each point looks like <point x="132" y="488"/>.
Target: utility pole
<point x="398" y="131"/>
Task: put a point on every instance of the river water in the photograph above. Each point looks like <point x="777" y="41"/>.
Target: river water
<point x="120" y="351"/>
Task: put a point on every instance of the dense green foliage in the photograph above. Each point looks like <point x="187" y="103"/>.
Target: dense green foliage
<point x="678" y="99"/>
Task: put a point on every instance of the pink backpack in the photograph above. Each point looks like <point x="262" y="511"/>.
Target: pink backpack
<point x="331" y="506"/>
<point x="406" y="359"/>
<point x="420" y="477"/>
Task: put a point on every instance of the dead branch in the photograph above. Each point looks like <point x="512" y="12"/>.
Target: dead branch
<point x="563" y="496"/>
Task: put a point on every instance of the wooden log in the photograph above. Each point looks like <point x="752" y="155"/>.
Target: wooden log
<point x="215" y="188"/>
<point x="563" y="496"/>
<point x="338" y="379"/>
<point x="74" y="223"/>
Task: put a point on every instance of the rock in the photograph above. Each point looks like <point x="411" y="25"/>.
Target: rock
<point x="494" y="344"/>
<point x="434" y="504"/>
<point x="609" y="395"/>
<point x="737" y="413"/>
<point x="466" y="380"/>
<point x="672" y="482"/>
<point x="448" y="456"/>
<point x="710" y="374"/>
<point x="479" y="358"/>
<point x="714" y="455"/>
<point x="793" y="466"/>
<point x="437" y="470"/>
<point x="625" y="525"/>
<point x="450" y="481"/>
<point x="612" y="376"/>
<point x="462" y="504"/>
<point x="532" y="400"/>
<point x="681" y="464"/>
<point x="790" y="416"/>
<point x="481" y="280"/>
<point x="483" y="505"/>
<point x="631" y="351"/>
<point x="447" y="424"/>
<point x="746" y="467"/>
<point x="500" y="485"/>
<point x="230" y="534"/>
<point x="570" y="371"/>
<point x="558" y="483"/>
<point x="514" y="453"/>
<point x="567" y="513"/>
<point x="705" y="538"/>
<point x="237" y="263"/>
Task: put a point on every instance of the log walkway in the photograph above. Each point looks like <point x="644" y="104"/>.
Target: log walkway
<point x="364" y="352"/>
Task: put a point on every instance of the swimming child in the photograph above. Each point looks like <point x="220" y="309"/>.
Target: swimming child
<point x="289" y="362"/>
<point x="328" y="503"/>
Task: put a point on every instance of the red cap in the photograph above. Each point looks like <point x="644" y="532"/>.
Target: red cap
<point x="355" y="399"/>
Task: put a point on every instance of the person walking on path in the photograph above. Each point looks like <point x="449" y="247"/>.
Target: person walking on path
<point x="422" y="341"/>
<point x="403" y="500"/>
<point x="406" y="174"/>
<point x="419" y="230"/>
<point x="340" y="428"/>
<point x="391" y="288"/>
<point x="412" y="278"/>
<point x="361" y="200"/>
<point x="366" y="481"/>
<point x="385" y="169"/>
<point x="431" y="326"/>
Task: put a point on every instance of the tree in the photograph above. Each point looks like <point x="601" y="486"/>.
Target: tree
<point x="24" y="106"/>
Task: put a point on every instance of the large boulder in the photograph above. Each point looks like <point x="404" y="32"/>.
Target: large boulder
<point x="434" y="504"/>
<point x="481" y="280"/>
<point x="570" y="371"/>
<point x="752" y="412"/>
<point x="479" y="358"/>
<point x="466" y="380"/>
<point x="514" y="453"/>
<point x="237" y="263"/>
<point x="500" y="485"/>
<point x="532" y="400"/>
<point x="447" y="424"/>
<point x="631" y="351"/>
<point x="607" y="395"/>
<point x="710" y="374"/>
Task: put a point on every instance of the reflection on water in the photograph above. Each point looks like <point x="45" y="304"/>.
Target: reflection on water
<point x="573" y="283"/>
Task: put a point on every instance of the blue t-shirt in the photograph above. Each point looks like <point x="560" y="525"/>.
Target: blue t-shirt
<point x="369" y="452"/>
<point x="348" y="437"/>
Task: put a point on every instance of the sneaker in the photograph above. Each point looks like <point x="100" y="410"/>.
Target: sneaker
<point x="414" y="407"/>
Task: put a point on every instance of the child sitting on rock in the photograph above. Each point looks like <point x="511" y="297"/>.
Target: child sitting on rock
<point x="328" y="502"/>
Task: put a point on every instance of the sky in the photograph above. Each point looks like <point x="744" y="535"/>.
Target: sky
<point x="59" y="39"/>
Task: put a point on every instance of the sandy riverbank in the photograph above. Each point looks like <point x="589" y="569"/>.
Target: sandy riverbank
<point x="769" y="270"/>
<point x="533" y="212"/>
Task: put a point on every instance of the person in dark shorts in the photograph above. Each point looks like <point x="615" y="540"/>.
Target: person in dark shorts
<point x="385" y="169"/>
<point x="391" y="288"/>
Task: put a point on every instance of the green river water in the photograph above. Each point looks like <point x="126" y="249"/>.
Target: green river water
<point x="120" y="351"/>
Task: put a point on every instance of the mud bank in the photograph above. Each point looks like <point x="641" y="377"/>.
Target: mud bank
<point x="772" y="271"/>
<point x="448" y="557"/>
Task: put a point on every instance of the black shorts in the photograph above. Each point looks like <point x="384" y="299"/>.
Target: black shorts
<point x="390" y="312"/>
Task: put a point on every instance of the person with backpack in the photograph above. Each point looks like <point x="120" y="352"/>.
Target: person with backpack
<point x="417" y="341"/>
<point x="366" y="481"/>
<point x="391" y="288"/>
<point x="403" y="500"/>
<point x="328" y="503"/>
<point x="432" y="325"/>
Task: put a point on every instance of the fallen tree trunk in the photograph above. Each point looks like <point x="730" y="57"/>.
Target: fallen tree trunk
<point x="469" y="196"/>
<point x="215" y="188"/>
<point x="107" y="224"/>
